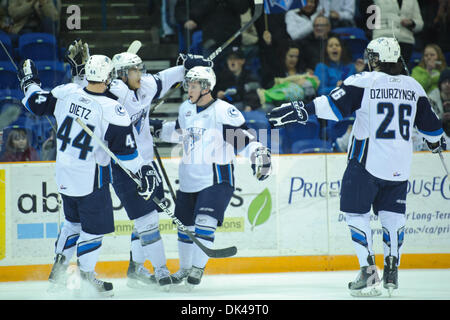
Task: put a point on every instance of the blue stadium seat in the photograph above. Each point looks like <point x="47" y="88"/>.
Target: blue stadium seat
<point x="51" y="73"/>
<point x="8" y="76"/>
<point x="38" y="46"/>
<point x="6" y="40"/>
<point x="196" y="44"/>
<point x="257" y="121"/>
<point x="298" y="132"/>
<point x="355" y="38"/>
<point x="447" y="58"/>
<point x="416" y="56"/>
<point x="11" y="93"/>
<point x="312" y="146"/>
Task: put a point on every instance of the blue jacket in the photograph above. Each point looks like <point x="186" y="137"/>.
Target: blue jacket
<point x="330" y="75"/>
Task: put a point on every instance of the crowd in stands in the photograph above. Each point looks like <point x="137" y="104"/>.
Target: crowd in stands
<point x="297" y="54"/>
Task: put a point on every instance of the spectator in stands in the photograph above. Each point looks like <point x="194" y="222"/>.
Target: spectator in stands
<point x="403" y="18"/>
<point x="299" y="22"/>
<point x="340" y="12"/>
<point x="430" y="66"/>
<point x="440" y="97"/>
<point x="236" y="84"/>
<point x="218" y="20"/>
<point x="287" y="80"/>
<point x="313" y="46"/>
<point x="18" y="148"/>
<point x="35" y="16"/>
<point x="5" y="19"/>
<point x="336" y="67"/>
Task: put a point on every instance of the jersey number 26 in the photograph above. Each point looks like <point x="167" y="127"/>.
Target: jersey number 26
<point x="404" y="111"/>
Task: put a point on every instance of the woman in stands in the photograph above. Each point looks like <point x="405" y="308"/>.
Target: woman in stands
<point x="429" y="69"/>
<point x="18" y="148"/>
<point x="336" y="67"/>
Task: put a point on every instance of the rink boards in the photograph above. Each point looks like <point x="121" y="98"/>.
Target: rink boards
<point x="289" y="222"/>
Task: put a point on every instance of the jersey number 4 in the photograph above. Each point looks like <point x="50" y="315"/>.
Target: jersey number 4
<point x="387" y="108"/>
<point x="81" y="141"/>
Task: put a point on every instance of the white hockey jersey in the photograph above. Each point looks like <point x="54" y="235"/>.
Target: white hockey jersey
<point x="211" y="137"/>
<point x="138" y="103"/>
<point x="386" y="108"/>
<point x="80" y="161"/>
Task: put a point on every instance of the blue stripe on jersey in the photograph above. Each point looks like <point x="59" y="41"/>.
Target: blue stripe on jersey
<point x="361" y="150"/>
<point x="158" y="85"/>
<point x="335" y="109"/>
<point x="26" y="104"/>
<point x="125" y="157"/>
<point x="433" y="133"/>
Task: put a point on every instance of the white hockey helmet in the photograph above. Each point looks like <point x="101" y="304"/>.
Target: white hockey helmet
<point x="99" y="69"/>
<point x="382" y="50"/>
<point x="126" y="60"/>
<point x="204" y="75"/>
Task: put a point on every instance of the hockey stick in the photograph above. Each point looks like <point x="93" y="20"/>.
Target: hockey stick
<point x="163" y="170"/>
<point x="17" y="69"/>
<point x="443" y="163"/>
<point x="134" y="46"/>
<point x="256" y="15"/>
<point x="212" y="253"/>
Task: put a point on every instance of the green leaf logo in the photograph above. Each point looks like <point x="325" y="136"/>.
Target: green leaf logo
<point x="260" y="208"/>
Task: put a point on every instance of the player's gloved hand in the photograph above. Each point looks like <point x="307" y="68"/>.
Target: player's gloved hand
<point x="150" y="179"/>
<point x="155" y="127"/>
<point x="27" y="74"/>
<point x="261" y="163"/>
<point x="190" y="60"/>
<point x="290" y="112"/>
<point x="77" y="55"/>
<point x="437" y="147"/>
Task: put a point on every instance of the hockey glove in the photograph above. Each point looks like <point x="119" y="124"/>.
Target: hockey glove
<point x="155" y="127"/>
<point x="150" y="179"/>
<point x="437" y="147"/>
<point x="290" y="112"/>
<point x="190" y="60"/>
<point x="261" y="163"/>
<point x="77" y="55"/>
<point x="27" y="74"/>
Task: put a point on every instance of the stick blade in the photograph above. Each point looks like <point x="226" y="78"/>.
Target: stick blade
<point x="221" y="253"/>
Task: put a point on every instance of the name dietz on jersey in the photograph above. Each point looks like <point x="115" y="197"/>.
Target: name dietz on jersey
<point x="393" y="94"/>
<point x="76" y="110"/>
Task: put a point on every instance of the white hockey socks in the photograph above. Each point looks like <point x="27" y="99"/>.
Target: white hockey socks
<point x="393" y="233"/>
<point x="67" y="239"/>
<point x="185" y="248"/>
<point x="137" y="253"/>
<point x="88" y="250"/>
<point x="205" y="226"/>
<point x="361" y="234"/>
<point x="150" y="239"/>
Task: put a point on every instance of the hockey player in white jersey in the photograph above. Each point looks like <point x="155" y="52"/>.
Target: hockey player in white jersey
<point x="387" y="105"/>
<point x="83" y="171"/>
<point x="135" y="90"/>
<point x="211" y="132"/>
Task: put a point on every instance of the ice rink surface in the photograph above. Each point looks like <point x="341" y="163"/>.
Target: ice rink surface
<point x="423" y="284"/>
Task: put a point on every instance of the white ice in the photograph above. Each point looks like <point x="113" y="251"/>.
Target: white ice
<point x="423" y="284"/>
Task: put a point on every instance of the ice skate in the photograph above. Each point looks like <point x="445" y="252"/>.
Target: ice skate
<point x="367" y="283"/>
<point x="390" y="274"/>
<point x="90" y="285"/>
<point x="180" y="275"/>
<point x="194" y="278"/>
<point x="138" y="276"/>
<point x="163" y="278"/>
<point x="58" y="276"/>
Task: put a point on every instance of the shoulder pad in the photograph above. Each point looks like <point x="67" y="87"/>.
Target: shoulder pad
<point x="228" y="114"/>
<point x="63" y="90"/>
<point x="118" y="88"/>
<point x="114" y="112"/>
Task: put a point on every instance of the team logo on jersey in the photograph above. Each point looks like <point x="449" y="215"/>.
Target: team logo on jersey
<point x="40" y="99"/>
<point x="233" y="112"/>
<point x="120" y="110"/>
